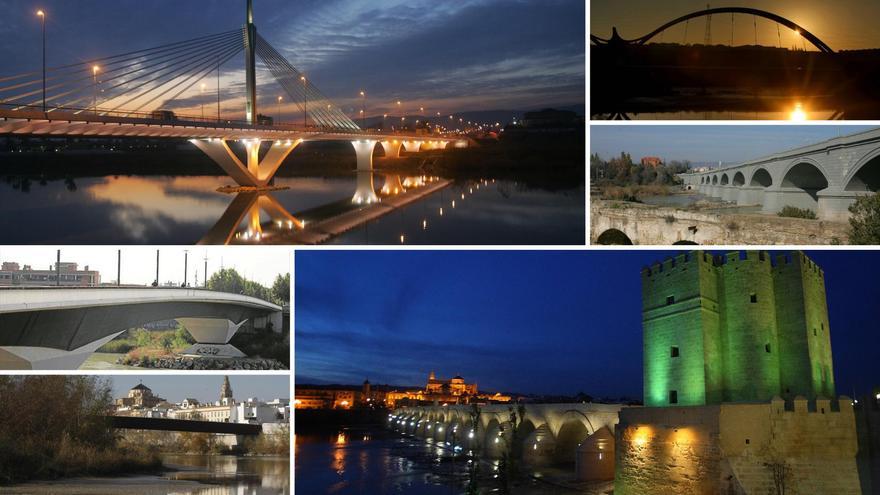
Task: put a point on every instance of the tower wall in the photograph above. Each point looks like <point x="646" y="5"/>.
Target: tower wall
<point x="751" y="348"/>
<point x="676" y="316"/>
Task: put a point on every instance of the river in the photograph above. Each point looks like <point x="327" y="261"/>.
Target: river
<point x="373" y="462"/>
<point x="189" y="209"/>
<point x="188" y="475"/>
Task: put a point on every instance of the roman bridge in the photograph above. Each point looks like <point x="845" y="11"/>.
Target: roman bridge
<point x="580" y="435"/>
<point x="824" y="177"/>
<point x="130" y="94"/>
<point x="58" y="328"/>
<point x="183" y="425"/>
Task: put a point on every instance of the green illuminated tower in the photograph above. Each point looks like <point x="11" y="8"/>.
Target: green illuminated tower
<point x="734" y="328"/>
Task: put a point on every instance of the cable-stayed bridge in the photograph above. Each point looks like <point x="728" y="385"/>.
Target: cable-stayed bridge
<point x="127" y="95"/>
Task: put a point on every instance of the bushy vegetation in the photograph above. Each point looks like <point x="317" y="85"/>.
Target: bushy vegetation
<point x="622" y="171"/>
<point x="229" y="280"/>
<point x="864" y="222"/>
<point x="277" y="444"/>
<point x="268" y="345"/>
<point x="634" y="192"/>
<point x="54" y="426"/>
<point x="139" y="338"/>
<point x="794" y="212"/>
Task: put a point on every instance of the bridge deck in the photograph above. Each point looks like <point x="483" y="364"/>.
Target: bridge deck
<point x="164" y="424"/>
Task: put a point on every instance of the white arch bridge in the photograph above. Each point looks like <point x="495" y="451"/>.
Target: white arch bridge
<point x="579" y="435"/>
<point x="825" y="177"/>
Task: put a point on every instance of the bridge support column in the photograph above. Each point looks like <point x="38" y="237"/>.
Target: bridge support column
<point x="212" y="337"/>
<point x="46" y="358"/>
<point x="412" y="146"/>
<point x="255" y="173"/>
<point x="749" y="195"/>
<point x="729" y="193"/>
<point x="834" y="206"/>
<point x="392" y="148"/>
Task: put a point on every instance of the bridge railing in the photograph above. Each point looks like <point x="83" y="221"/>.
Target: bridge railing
<point x="77" y="114"/>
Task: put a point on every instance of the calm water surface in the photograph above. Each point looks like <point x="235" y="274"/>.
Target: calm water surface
<point x="192" y="475"/>
<point x="186" y="210"/>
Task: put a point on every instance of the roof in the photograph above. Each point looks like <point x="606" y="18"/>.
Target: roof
<point x="140" y="386"/>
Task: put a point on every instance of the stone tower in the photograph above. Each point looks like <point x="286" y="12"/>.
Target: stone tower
<point x="225" y="390"/>
<point x="734" y="328"/>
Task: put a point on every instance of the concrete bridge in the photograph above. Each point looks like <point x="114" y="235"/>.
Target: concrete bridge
<point x="579" y="435"/>
<point x="58" y="328"/>
<point x="825" y="177"/>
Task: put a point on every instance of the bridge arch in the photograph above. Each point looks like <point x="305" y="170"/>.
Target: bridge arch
<point x="714" y="180"/>
<point x="492" y="439"/>
<point x="575" y="428"/>
<point x="865" y="175"/>
<point x="724" y="179"/>
<point x="761" y="178"/>
<point x="807" y="177"/>
<point x="739" y="179"/>
<point x="614" y="237"/>
<point x="813" y="39"/>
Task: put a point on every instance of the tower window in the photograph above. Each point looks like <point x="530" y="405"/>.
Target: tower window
<point x="673" y="351"/>
<point x="767" y="347"/>
<point x="814" y="332"/>
<point x="753" y="297"/>
<point x="670" y="300"/>
<point x="673" y="396"/>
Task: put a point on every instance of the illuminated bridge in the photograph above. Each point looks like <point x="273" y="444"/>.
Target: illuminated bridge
<point x="825" y="177"/>
<point x="123" y="96"/>
<point x="58" y="328"/>
<point x="546" y="434"/>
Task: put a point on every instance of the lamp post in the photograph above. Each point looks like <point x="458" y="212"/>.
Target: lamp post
<point x="305" y="101"/>
<point x="279" y="109"/>
<point x="363" y="109"/>
<point x="384" y="116"/>
<point x="95" y="70"/>
<point x="202" y="98"/>
<point x="42" y="16"/>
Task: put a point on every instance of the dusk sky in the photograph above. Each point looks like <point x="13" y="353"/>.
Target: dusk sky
<point x="205" y="388"/>
<point x="843" y="25"/>
<point x="709" y="143"/>
<point x="527" y="321"/>
<point x="448" y="56"/>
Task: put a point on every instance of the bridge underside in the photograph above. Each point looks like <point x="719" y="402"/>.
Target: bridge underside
<point x="64" y="338"/>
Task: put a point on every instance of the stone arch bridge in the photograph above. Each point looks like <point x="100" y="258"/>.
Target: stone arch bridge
<point x="548" y="433"/>
<point x="825" y="177"/>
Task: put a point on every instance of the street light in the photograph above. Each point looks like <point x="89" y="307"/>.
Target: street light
<point x="43" y="23"/>
<point x="95" y="70"/>
<point x="279" y="109"/>
<point x="363" y="109"/>
<point x="305" y="101"/>
<point x="203" y="101"/>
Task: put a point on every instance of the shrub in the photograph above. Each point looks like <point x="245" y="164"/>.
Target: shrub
<point x="794" y="212"/>
<point x="865" y="220"/>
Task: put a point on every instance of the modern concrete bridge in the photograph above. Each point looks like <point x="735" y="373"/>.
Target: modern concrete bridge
<point x="58" y="328"/>
<point x="561" y="434"/>
<point x="825" y="177"/>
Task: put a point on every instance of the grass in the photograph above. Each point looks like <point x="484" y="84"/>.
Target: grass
<point x="138" y="342"/>
<point x="794" y="212"/>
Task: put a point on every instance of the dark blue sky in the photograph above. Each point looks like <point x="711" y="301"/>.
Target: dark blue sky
<point x="522" y="321"/>
<point x="447" y="56"/>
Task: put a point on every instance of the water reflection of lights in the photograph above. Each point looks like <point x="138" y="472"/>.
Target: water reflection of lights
<point x="341" y="438"/>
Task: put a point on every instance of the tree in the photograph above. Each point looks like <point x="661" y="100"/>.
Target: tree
<point x="865" y="220"/>
<point x="281" y="289"/>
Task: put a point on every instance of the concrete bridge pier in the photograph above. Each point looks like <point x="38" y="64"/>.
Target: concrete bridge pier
<point x="834" y="206"/>
<point x="256" y="173"/>
<point x="392" y="148"/>
<point x="212" y="336"/>
<point x="777" y="198"/>
<point x="729" y="193"/>
<point x="47" y="358"/>
<point x="749" y="195"/>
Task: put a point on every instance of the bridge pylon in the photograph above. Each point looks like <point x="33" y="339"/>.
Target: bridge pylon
<point x="250" y="58"/>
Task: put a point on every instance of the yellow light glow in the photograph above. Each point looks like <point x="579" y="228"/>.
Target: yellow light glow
<point x="402" y="238"/>
<point x="340" y="439"/>
<point x="798" y="114"/>
<point x="41" y="13"/>
<point x="95" y="69"/>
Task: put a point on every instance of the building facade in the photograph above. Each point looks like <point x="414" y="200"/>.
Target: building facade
<point x="69" y="274"/>
<point x="740" y="327"/>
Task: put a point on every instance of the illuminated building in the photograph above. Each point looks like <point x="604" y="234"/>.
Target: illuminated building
<point x="735" y="328"/>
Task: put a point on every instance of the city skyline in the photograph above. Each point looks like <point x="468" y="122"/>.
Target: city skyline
<point x="442" y="56"/>
<point x="139" y="262"/>
<point x="518" y="322"/>
<point x="710" y="143"/>
<point x="204" y="388"/>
